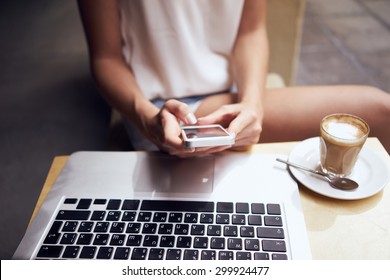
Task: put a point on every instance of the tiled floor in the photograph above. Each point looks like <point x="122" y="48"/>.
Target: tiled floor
<point x="346" y="42"/>
<point x="50" y="107"/>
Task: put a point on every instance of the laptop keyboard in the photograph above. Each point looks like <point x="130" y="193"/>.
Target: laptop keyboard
<point x="165" y="230"/>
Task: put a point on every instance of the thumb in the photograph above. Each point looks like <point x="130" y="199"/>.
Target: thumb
<point x="181" y="111"/>
<point x="222" y="115"/>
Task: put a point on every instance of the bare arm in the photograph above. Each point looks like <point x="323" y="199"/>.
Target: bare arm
<point x="250" y="54"/>
<point x="117" y="83"/>
<point x="114" y="78"/>
<point x="249" y="62"/>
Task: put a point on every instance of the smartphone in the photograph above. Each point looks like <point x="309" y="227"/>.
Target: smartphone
<point x="206" y="136"/>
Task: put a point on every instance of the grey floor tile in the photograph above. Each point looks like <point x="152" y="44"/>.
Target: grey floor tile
<point x="327" y="68"/>
<point x="333" y="7"/>
<point x="360" y="33"/>
<point x="379" y="8"/>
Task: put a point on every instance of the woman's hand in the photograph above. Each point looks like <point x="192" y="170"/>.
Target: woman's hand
<point x="241" y="119"/>
<point x="164" y="128"/>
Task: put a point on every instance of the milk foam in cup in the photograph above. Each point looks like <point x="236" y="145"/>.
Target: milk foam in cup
<point x="342" y="137"/>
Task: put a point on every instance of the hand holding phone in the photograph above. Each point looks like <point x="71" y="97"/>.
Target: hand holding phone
<point x="206" y="136"/>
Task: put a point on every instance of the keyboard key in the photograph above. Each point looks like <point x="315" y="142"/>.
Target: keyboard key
<point x="165" y="229"/>
<point x="273" y="209"/>
<point x="117" y="239"/>
<point x="134" y="240"/>
<point x="156" y="254"/>
<point x="85" y="227"/>
<point x="84" y="239"/>
<point x="71" y="252"/>
<point x="68" y="238"/>
<point x="149" y="228"/>
<point x="261" y="256"/>
<point x="206" y="218"/>
<point x="150" y="241"/>
<point x="268" y="232"/>
<point x="84" y="204"/>
<point x="273" y="221"/>
<point x="274" y="245"/>
<point x="117" y="227"/>
<point x="113" y="216"/>
<point x="181" y="229"/>
<point x="217" y="243"/>
<point x="252" y="244"/>
<point x="222" y="218"/>
<point x="230" y="231"/>
<point x="247" y="231"/>
<point x="100" y="201"/>
<point x="47" y="251"/>
<point x="254" y="220"/>
<point x="208" y="255"/>
<point x="101" y="227"/>
<point x="114" y="204"/>
<point x="122" y="253"/>
<point x="167" y="241"/>
<point x="105" y="253"/>
<point x="191" y="218"/>
<point x="201" y="242"/>
<point x="173" y="254"/>
<point x="130" y="204"/>
<point x="70" y="226"/>
<point x="184" y="242"/>
<point x="88" y="252"/>
<point x="73" y="215"/>
<point x="238" y="219"/>
<point x="98" y="215"/>
<point x="144" y="217"/>
<point x="129" y="216"/>
<point x="139" y="254"/>
<point x="225" y="207"/>
<point x="133" y="228"/>
<point x="101" y="239"/>
<point x="175" y="217"/>
<point x="160" y="217"/>
<point x="70" y="201"/>
<point x="197" y="230"/>
<point x="178" y="206"/>
<point x="52" y="238"/>
<point x="191" y="255"/>
<point x="242" y="208"/>
<point x="214" y="230"/>
<point x="243" y="256"/>
<point x="257" y="208"/>
<point x="56" y="226"/>
<point x="279" y="257"/>
<point x="234" y="243"/>
<point x="225" y="255"/>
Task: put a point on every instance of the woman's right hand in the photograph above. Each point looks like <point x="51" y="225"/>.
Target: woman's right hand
<point x="164" y="128"/>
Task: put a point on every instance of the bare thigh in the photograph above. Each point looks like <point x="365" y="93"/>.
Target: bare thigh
<point x="292" y="114"/>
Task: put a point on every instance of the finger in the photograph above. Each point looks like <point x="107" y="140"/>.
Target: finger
<point x="181" y="111"/>
<point x="171" y="131"/>
<point x="224" y="113"/>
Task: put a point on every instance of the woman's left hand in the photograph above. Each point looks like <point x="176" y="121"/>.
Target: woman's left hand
<point x="241" y="119"/>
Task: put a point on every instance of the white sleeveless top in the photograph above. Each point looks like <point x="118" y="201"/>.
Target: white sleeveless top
<point x="179" y="48"/>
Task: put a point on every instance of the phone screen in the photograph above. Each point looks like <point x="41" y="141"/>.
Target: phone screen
<point x="204" y="132"/>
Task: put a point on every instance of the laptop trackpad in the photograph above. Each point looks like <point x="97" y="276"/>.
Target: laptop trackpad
<point x="162" y="173"/>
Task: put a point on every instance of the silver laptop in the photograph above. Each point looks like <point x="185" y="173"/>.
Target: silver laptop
<point x="150" y="206"/>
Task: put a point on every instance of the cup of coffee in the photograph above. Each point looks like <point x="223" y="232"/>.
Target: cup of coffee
<point x="342" y="138"/>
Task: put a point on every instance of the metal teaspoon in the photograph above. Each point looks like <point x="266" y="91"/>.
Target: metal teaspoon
<point x="345" y="184"/>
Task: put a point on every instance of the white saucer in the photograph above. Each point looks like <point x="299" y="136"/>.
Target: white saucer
<point x="370" y="172"/>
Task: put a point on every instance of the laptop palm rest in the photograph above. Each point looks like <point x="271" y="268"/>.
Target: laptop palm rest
<point x="165" y="174"/>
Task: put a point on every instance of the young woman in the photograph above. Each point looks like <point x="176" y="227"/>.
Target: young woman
<point x="163" y="62"/>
